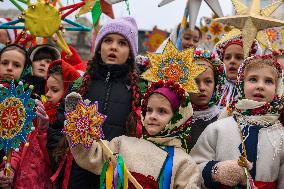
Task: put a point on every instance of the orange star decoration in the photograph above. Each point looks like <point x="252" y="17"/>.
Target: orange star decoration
<point x="83" y="125"/>
<point x="155" y="39"/>
<point x="174" y="65"/>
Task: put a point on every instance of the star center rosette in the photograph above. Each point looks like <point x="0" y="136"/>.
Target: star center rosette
<point x="16" y="115"/>
<point x="83" y="125"/>
<point x="175" y="66"/>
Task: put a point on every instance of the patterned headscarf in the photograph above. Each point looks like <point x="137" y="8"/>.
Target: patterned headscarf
<point x="178" y="125"/>
<point x="218" y="69"/>
<point x="234" y="37"/>
<point x="248" y="107"/>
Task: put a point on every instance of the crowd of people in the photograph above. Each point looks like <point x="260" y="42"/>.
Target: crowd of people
<point x="229" y="135"/>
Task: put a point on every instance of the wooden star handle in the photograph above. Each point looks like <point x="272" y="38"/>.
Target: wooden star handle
<point x="111" y="155"/>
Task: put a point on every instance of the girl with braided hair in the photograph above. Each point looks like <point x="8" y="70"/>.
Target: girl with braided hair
<point x="110" y="79"/>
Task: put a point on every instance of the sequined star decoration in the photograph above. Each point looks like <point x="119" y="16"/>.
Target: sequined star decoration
<point x="174" y="65"/>
<point x="262" y="36"/>
<point x="194" y="5"/>
<point x="252" y="20"/>
<point x="16" y="113"/>
<point x="43" y="19"/>
<point x="83" y="125"/>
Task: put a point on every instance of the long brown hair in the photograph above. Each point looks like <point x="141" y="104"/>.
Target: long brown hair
<point x="132" y="119"/>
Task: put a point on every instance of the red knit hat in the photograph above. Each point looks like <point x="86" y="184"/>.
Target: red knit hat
<point x="69" y="73"/>
<point x="75" y="60"/>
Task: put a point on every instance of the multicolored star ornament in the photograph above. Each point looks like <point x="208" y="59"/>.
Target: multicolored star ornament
<point x="83" y="125"/>
<point x="174" y="65"/>
<point x="16" y="114"/>
<point x="43" y="19"/>
<point x="194" y="6"/>
<point x="252" y="20"/>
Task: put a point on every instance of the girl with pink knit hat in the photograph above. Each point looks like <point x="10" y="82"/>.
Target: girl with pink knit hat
<point x="110" y="79"/>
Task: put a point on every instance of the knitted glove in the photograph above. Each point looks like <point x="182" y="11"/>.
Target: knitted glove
<point x="228" y="173"/>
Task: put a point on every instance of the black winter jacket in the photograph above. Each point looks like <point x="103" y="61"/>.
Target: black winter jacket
<point x="111" y="88"/>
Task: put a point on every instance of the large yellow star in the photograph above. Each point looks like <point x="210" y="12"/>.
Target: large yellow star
<point x="174" y="65"/>
<point x="42" y="19"/>
<point x="252" y="20"/>
<point x="83" y="125"/>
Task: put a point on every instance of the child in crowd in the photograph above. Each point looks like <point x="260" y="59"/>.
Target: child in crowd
<point x="249" y="143"/>
<point x="41" y="57"/>
<point x="31" y="165"/>
<point x="189" y="38"/>
<point x="209" y="82"/>
<point x="110" y="79"/>
<point x="14" y="62"/>
<point x="60" y="77"/>
<point x="157" y="160"/>
<point x="230" y="50"/>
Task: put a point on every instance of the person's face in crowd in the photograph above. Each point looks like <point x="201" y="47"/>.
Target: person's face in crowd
<point x="233" y="58"/>
<point x="40" y="67"/>
<point x="206" y="85"/>
<point x="260" y="84"/>
<point x="190" y="39"/>
<point x="55" y="88"/>
<point x="12" y="64"/>
<point x="114" y="49"/>
<point x="158" y="115"/>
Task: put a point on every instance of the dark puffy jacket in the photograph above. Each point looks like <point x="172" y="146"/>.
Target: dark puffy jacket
<point x="110" y="87"/>
<point x="38" y="83"/>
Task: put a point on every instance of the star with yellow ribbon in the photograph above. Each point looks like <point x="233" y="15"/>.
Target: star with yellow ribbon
<point x="83" y="125"/>
<point x="252" y="20"/>
<point x="174" y="65"/>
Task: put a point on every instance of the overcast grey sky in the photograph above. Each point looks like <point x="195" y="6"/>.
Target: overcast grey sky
<point x="148" y="14"/>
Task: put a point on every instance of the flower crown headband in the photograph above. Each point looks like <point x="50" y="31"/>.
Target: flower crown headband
<point x="207" y="56"/>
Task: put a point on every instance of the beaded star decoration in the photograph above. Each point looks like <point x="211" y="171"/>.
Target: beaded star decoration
<point x="16" y="113"/>
<point x="83" y="125"/>
<point x="174" y="65"/>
